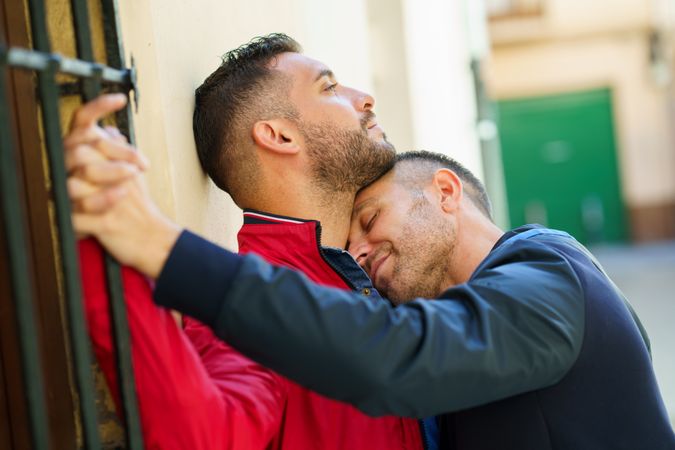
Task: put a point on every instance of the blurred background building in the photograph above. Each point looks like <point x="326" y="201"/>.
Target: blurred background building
<point x="584" y="96"/>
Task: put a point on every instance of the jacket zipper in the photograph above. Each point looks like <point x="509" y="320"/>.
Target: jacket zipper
<point x="327" y="261"/>
<point x="423" y="431"/>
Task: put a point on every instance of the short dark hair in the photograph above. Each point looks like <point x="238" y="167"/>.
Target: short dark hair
<point x="242" y="90"/>
<point x="426" y="163"/>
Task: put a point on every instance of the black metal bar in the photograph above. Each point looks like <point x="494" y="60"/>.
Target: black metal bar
<point x="90" y="86"/>
<point x="118" y="314"/>
<point x="21" y="288"/>
<point x="115" y="53"/>
<point x="115" y="56"/>
<point x="40" y="60"/>
<point x="71" y="272"/>
<point x="74" y="89"/>
<point x="125" y="371"/>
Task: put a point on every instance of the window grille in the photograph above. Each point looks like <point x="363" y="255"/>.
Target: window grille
<point x="92" y="78"/>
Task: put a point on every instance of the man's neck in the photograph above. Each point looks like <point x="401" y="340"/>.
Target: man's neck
<point x="333" y="211"/>
<point x="474" y="244"/>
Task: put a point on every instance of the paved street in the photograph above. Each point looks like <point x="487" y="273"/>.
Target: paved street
<point x="646" y="275"/>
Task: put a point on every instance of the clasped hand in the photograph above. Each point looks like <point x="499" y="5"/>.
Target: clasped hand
<point x="108" y="194"/>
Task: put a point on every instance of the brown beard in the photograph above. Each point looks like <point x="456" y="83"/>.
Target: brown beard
<point x="420" y="256"/>
<point x="345" y="160"/>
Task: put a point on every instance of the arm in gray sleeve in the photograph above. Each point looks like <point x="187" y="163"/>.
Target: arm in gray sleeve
<point x="516" y="326"/>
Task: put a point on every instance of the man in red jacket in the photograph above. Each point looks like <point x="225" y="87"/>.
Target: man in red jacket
<point x="291" y="146"/>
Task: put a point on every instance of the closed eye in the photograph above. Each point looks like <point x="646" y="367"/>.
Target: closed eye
<point x="369" y="225"/>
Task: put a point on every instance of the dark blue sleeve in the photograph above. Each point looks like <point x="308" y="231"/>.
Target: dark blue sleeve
<point x="516" y="326"/>
<point x="196" y="293"/>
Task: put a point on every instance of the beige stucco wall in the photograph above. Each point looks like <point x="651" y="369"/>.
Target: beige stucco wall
<point x="566" y="59"/>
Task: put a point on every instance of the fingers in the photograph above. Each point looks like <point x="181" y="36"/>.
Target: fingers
<point x="93" y="198"/>
<point x="93" y="133"/>
<point x="103" y="167"/>
<point x="91" y="112"/>
<point x="97" y="186"/>
<point x="118" y="149"/>
<point x="115" y="134"/>
<point x="79" y="189"/>
<point x="106" y="172"/>
<point x="108" y="140"/>
<point x="82" y="154"/>
<point x="98" y="203"/>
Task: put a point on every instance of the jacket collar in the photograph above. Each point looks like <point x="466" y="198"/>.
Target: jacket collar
<point x="279" y="238"/>
<point x="253" y="217"/>
<point x="294" y="242"/>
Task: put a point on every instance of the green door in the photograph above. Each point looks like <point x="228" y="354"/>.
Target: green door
<point x="560" y="164"/>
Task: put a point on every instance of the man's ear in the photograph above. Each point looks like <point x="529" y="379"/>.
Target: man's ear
<point x="277" y="135"/>
<point x="449" y="188"/>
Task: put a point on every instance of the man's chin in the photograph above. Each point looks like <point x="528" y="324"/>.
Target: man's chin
<point x="394" y="299"/>
<point x="382" y="142"/>
<point x="377" y="133"/>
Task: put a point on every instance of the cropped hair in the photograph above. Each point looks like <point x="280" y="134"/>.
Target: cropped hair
<point x="424" y="164"/>
<point x="241" y="91"/>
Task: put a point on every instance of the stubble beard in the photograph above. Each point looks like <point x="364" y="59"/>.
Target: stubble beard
<point x="421" y="257"/>
<point x="345" y="160"/>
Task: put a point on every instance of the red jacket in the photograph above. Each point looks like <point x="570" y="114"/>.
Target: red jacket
<point x="182" y="405"/>
<point x="199" y="393"/>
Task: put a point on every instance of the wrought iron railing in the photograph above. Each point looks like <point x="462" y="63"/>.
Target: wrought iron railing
<point x="92" y="78"/>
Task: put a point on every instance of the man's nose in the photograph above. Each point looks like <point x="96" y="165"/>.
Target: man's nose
<point x="367" y="101"/>
<point x="362" y="100"/>
<point x="360" y="252"/>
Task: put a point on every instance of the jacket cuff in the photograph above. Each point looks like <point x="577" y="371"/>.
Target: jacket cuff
<point x="196" y="278"/>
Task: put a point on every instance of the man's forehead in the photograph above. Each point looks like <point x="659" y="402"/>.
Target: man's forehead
<point x="300" y="66"/>
<point x="372" y="194"/>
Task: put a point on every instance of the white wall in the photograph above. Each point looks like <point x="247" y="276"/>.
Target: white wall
<point x="337" y="34"/>
<point x="389" y="59"/>
<point x="421" y="65"/>
<point x="440" y="83"/>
